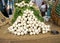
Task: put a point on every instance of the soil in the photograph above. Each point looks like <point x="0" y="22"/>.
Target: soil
<point x="7" y="37"/>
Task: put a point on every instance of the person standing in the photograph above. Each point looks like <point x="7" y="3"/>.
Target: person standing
<point x="39" y="2"/>
<point x="4" y="11"/>
<point x="7" y="7"/>
<point x="43" y="8"/>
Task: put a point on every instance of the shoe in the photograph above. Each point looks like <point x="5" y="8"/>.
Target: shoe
<point x="54" y="32"/>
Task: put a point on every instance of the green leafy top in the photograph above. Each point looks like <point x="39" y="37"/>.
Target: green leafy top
<point x="26" y="1"/>
<point x="58" y="9"/>
<point x="19" y="12"/>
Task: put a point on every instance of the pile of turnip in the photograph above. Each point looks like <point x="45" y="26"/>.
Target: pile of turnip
<point x="22" y="4"/>
<point x="28" y="24"/>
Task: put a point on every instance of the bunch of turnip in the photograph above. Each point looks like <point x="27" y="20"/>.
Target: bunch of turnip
<point x="28" y="24"/>
<point x="22" y="4"/>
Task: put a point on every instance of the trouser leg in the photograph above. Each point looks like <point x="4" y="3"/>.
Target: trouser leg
<point x="5" y="13"/>
<point x="43" y="14"/>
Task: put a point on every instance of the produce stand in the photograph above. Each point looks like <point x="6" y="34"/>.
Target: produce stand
<point x="7" y="37"/>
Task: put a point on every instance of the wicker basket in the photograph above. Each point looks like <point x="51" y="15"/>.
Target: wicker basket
<point x="54" y="15"/>
<point x="4" y="20"/>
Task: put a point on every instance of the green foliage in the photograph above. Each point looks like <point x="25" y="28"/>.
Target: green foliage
<point x="27" y="1"/>
<point x="19" y="12"/>
<point x="58" y="9"/>
<point x="36" y="13"/>
<point x="20" y="1"/>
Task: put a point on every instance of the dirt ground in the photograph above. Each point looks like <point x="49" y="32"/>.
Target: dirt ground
<point x="6" y="37"/>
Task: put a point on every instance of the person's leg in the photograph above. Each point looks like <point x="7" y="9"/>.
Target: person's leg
<point x="5" y="13"/>
<point x="10" y="11"/>
<point x="43" y="14"/>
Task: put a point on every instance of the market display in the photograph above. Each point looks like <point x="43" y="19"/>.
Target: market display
<point x="27" y="20"/>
